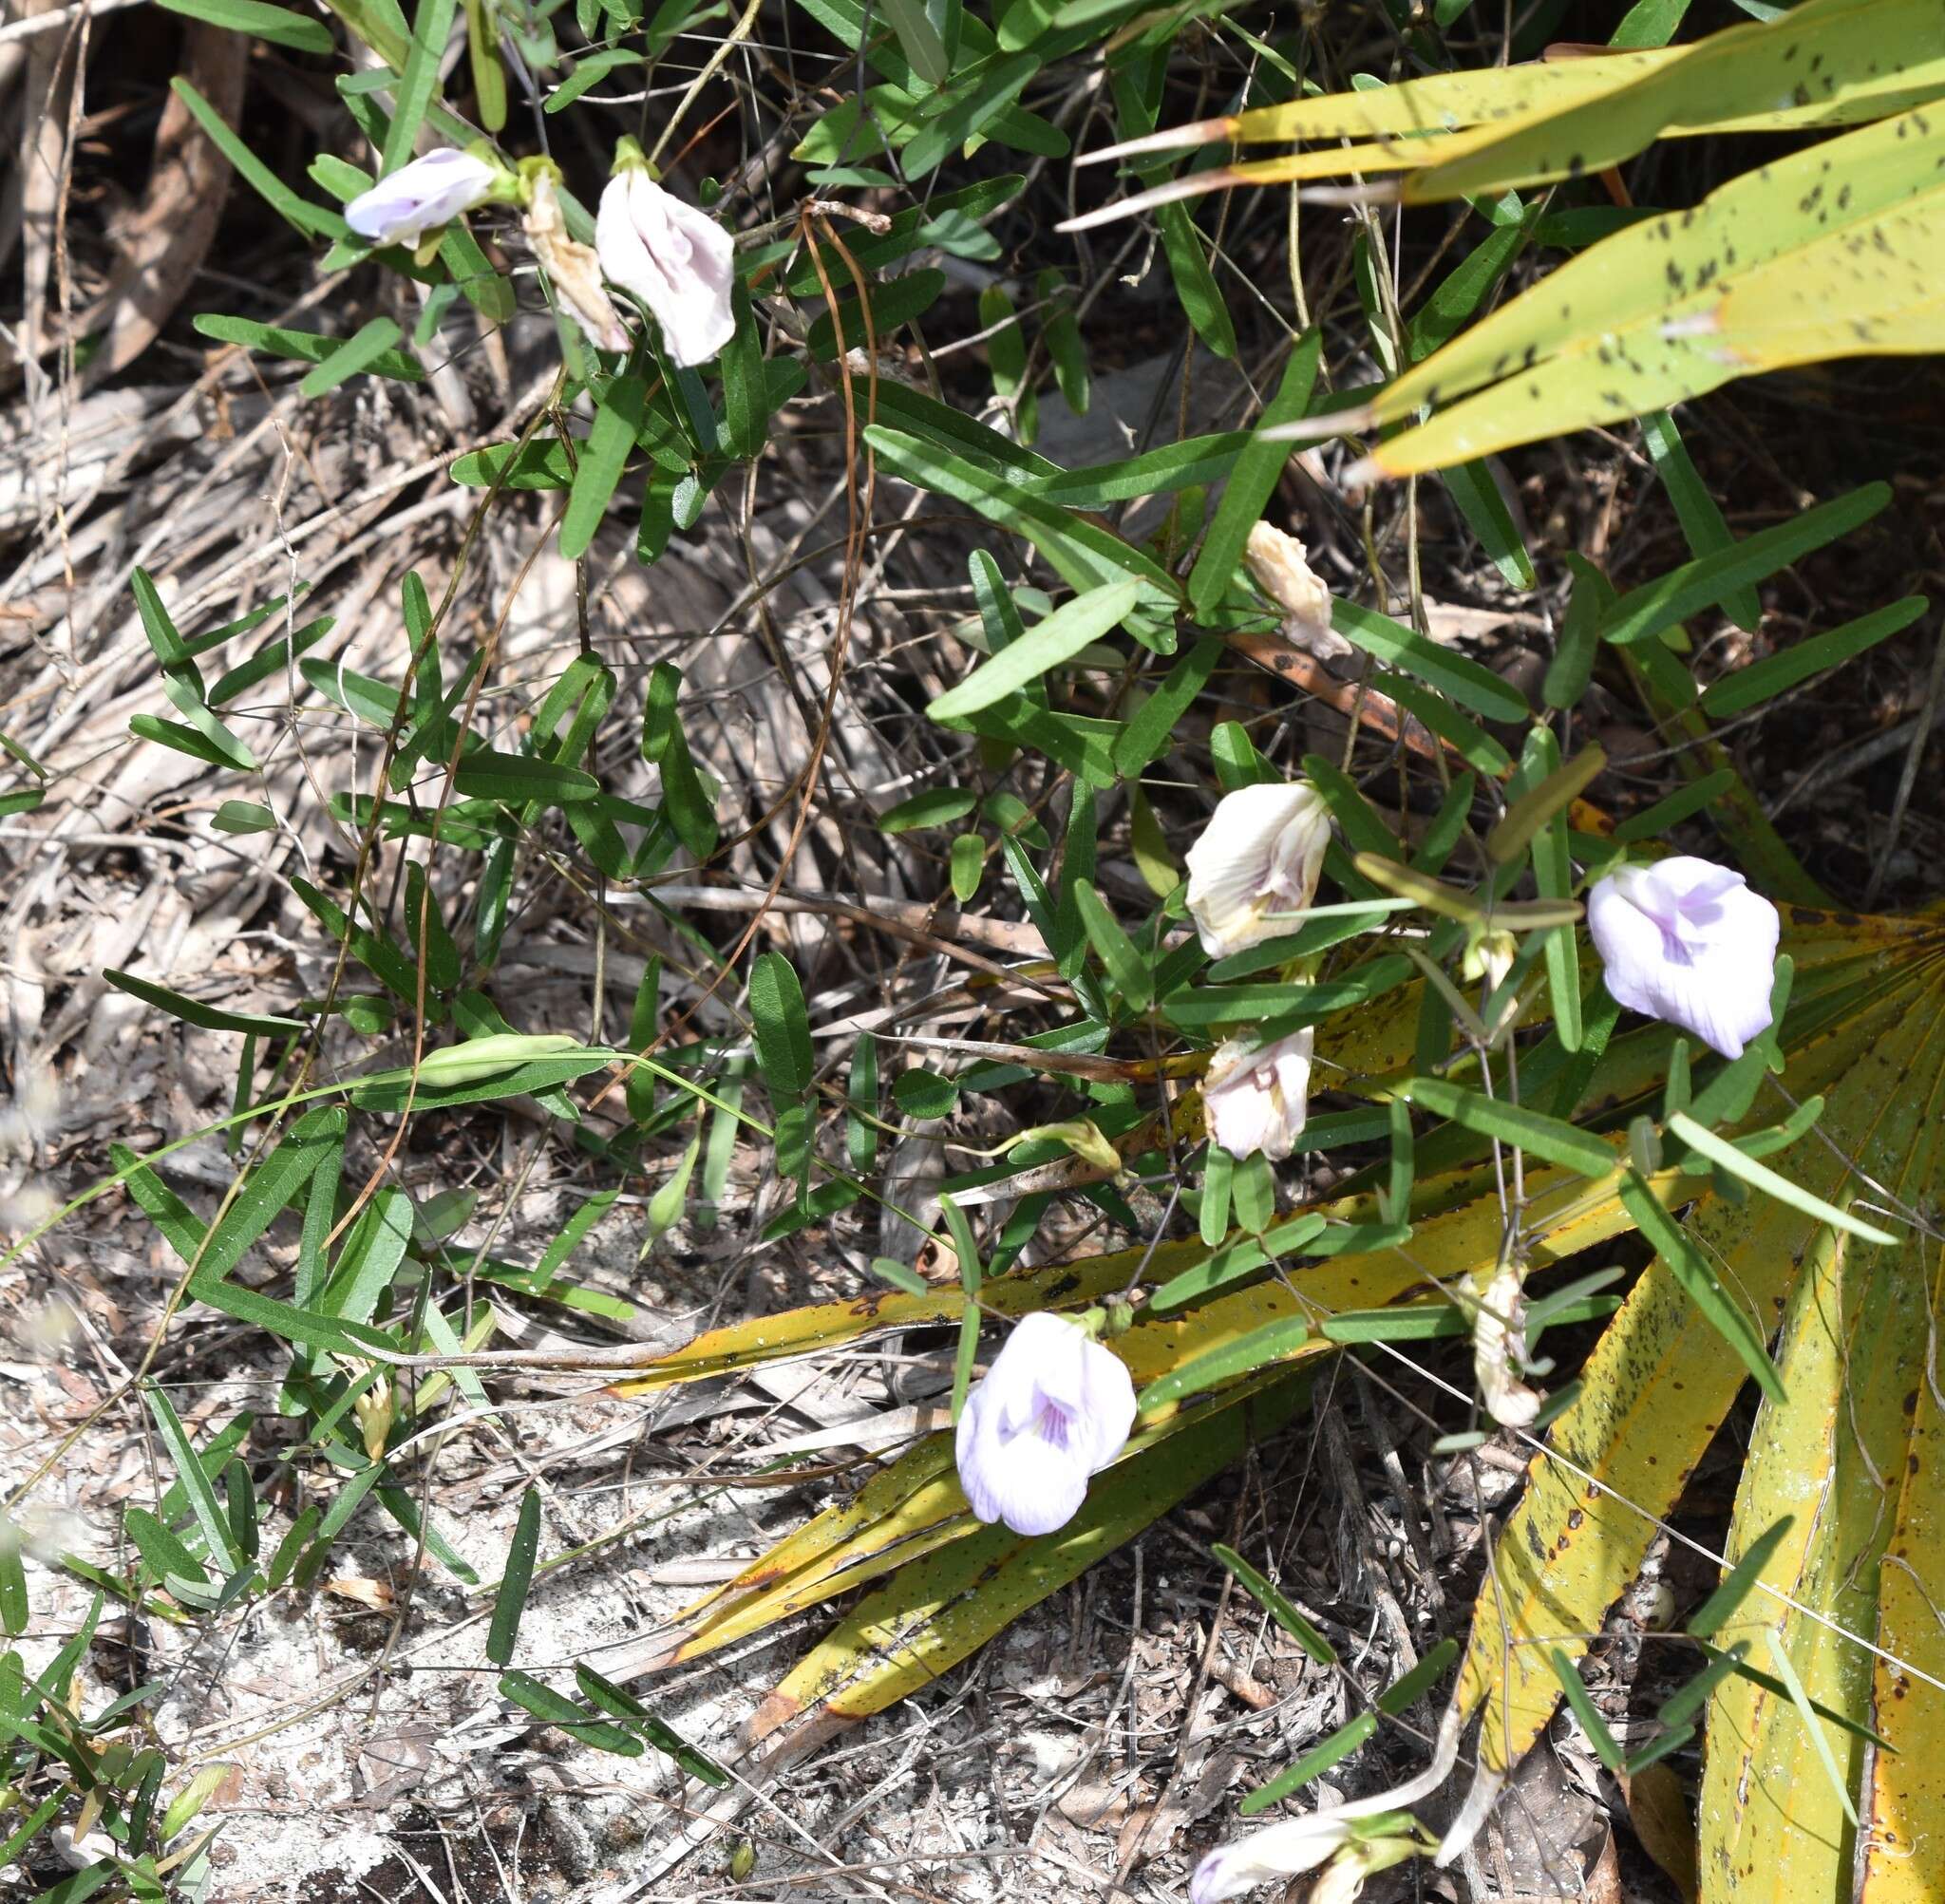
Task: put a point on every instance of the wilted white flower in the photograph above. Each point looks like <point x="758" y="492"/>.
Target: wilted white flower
<point x="1498" y="1342"/>
<point x="676" y="260"/>
<point x="1688" y="942"/>
<point x="405" y="204"/>
<point x="572" y="267"/>
<point x="1256" y="1100"/>
<point x="1361" y="1831"/>
<point x="1260" y="853"/>
<point x="1054" y="1408"/>
<point x="1278" y="563"/>
<point x="1285" y="1850"/>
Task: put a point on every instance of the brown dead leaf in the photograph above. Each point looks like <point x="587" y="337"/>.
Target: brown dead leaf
<point x="1658" y="1811"/>
<point x="373" y="1593"/>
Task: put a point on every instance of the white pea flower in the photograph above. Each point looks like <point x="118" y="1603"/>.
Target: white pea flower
<point x="405" y="204"/>
<point x="1688" y="942"/>
<point x="676" y="260"/>
<point x="1256" y="1100"/>
<point x="1054" y="1408"/>
<point x="572" y="267"/>
<point x="1278" y="562"/>
<point x="1365" y="1835"/>
<point x="1285" y="1850"/>
<point x="1260" y="853"/>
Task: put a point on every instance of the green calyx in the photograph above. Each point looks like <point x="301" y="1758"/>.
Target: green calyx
<point x="629" y="156"/>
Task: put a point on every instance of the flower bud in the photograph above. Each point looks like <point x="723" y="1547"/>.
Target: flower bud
<point x="487" y="1057"/>
<point x="1082" y="1136"/>
<point x="1489" y="955"/>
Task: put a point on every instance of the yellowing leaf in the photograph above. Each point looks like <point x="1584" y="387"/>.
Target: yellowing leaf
<point x="1659" y="1383"/>
<point x="1823" y="63"/>
<point x="1828" y="252"/>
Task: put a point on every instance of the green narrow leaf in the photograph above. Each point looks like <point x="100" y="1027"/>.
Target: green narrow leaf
<point x="1756" y="683"/>
<point x="1739" y="1163"/>
<point x="1605" y="1750"/>
<point x="1464" y="680"/>
<point x="891" y="305"/>
<point x="1652" y="823"/>
<point x="417" y="83"/>
<point x="1061" y="328"/>
<point x="209" y="1017"/>
<point x="1464" y="736"/>
<point x="13" y="1598"/>
<point x="1394" y="1200"/>
<point x="1701" y="521"/>
<point x="314" y="221"/>
<point x="1572" y="667"/>
<point x="624" y="1706"/>
<point x="1363" y="828"/>
<point x="552" y="1708"/>
<point x="690" y="808"/>
<point x="1329" y="1751"/>
<point x="1401" y="1697"/>
<point x="601" y="459"/>
<point x="1254" y="481"/>
<point x="1472" y="488"/>
<point x="1129" y="973"/>
<point x="1707" y="1619"/>
<point x="747" y="404"/>
<point x="510" y="1602"/>
<point x="1279" y="1608"/>
<point x="1550" y="1138"/>
<point x="1218" y="1171"/>
<point x="170" y="648"/>
<point x="936" y="806"/>
<point x="782" y="1026"/>
<point x="900" y="1276"/>
<point x="193" y="1482"/>
<point x="1646" y="612"/>
<point x="1060" y="637"/>
<point x="1552" y="794"/>
<point x="1243" y="1356"/>
<point x="969" y="109"/>
<point x="1787" y="1671"/>
<point x="304" y="346"/>
<point x="359" y="351"/>
<point x="860" y="1092"/>
<point x="1693" y="1270"/>
<point x="516" y="778"/>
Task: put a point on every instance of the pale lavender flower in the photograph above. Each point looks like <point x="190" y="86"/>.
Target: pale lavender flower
<point x="1260" y="853"/>
<point x="407" y="203"/>
<point x="1687" y="941"/>
<point x="1256" y="1100"/>
<point x="1054" y="1408"/>
<point x="675" y="260"/>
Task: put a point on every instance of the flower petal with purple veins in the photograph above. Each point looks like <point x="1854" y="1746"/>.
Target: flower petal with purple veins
<point x="1054" y="1408"/>
<point x="1688" y="942"/>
